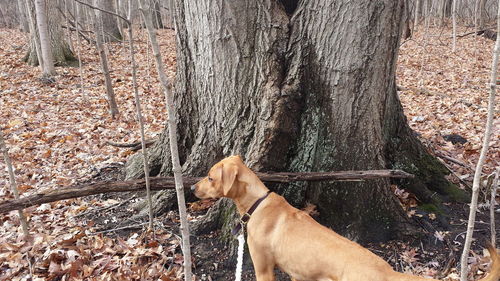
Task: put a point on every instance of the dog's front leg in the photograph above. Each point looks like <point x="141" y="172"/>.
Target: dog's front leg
<point x="263" y="262"/>
<point x="264" y="268"/>
<point x="264" y="276"/>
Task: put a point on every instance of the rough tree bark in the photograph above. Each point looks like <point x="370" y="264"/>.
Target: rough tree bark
<point x="61" y="52"/>
<point x="301" y="86"/>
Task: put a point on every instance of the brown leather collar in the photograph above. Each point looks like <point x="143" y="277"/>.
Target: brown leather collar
<point x="246" y="217"/>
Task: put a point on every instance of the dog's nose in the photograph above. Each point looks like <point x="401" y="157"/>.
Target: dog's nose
<point x="193" y="187"/>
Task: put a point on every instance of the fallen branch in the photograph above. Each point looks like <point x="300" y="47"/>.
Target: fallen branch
<point x="160" y="183"/>
<point x="133" y="146"/>
<point x="453" y="160"/>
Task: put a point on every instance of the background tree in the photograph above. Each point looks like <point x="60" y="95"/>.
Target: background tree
<point x="156" y="14"/>
<point x="110" y="29"/>
<point x="22" y="18"/>
<point x="99" y="35"/>
<point x="43" y="31"/>
<point x="301" y="86"/>
<point x="480" y="14"/>
<point x="61" y="51"/>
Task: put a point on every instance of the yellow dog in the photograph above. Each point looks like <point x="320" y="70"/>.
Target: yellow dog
<point x="281" y="235"/>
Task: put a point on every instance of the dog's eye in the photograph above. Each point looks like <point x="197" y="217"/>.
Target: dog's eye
<point x="210" y="179"/>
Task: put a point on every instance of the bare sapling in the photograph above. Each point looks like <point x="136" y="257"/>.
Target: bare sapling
<point x="493" y="202"/>
<point x="76" y="7"/>
<point x="128" y="21"/>
<point x="113" y="107"/>
<point x="172" y="130"/>
<point x="454" y="20"/>
<point x="43" y="31"/>
<point x="417" y="6"/>
<point x="482" y="156"/>
<point x="68" y="23"/>
<point x="33" y="32"/>
<point x="139" y="117"/>
<point x="23" y="18"/>
<point x="13" y="184"/>
<point x="479" y="15"/>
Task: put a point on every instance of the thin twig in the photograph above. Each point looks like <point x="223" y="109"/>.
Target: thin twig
<point x="493" y="202"/>
<point x="121" y="228"/>
<point x="102" y="10"/>
<point x="482" y="156"/>
<point x="140" y="120"/>
<point x="105" y="208"/>
<point x="128" y="145"/>
<point x="13" y="184"/>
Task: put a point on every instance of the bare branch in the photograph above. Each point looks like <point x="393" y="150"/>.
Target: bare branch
<point x="104" y="11"/>
<point x="160" y="183"/>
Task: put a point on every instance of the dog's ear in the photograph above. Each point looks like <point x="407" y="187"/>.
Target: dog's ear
<point x="229" y="173"/>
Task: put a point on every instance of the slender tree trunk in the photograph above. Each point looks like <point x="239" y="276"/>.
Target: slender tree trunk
<point x="111" y="31"/>
<point x="416" y="14"/>
<point x="23" y="17"/>
<point x="493" y="203"/>
<point x="301" y="86"/>
<point x="113" y="107"/>
<point x="140" y="119"/>
<point x="35" y="52"/>
<point x="454" y="19"/>
<point x="68" y="30"/>
<point x="13" y="184"/>
<point x="482" y="157"/>
<point x="43" y="31"/>
<point x="174" y="151"/>
<point x="78" y="42"/>
<point x="155" y="10"/>
<point x="479" y="14"/>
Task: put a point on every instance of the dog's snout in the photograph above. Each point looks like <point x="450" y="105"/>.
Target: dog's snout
<point x="193" y="188"/>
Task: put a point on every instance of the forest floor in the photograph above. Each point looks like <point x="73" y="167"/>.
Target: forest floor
<point x="57" y="136"/>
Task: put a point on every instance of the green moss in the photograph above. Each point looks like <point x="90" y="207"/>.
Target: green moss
<point x="226" y="219"/>
<point x="430" y="208"/>
<point x="457" y="194"/>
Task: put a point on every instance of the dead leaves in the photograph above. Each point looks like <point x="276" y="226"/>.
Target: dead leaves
<point x="56" y="135"/>
<point x="92" y="257"/>
<point x="457" y="105"/>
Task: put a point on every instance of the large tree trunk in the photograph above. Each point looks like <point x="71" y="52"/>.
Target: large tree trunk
<point x="61" y="52"/>
<point x="300" y="86"/>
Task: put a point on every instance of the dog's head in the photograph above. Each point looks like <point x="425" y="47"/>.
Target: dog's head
<point x="220" y="180"/>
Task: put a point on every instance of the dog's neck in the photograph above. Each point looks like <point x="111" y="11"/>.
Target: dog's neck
<point x="247" y="194"/>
